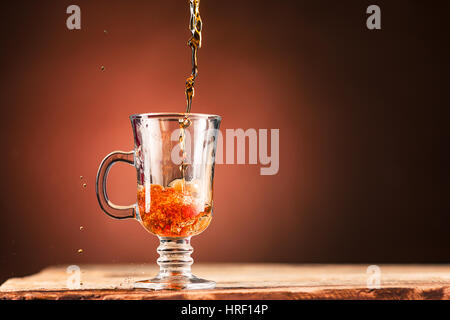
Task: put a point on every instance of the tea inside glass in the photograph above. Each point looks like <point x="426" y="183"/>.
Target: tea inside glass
<point x="173" y="204"/>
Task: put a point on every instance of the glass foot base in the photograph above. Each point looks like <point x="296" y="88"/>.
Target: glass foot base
<point x="175" y="268"/>
<point x="175" y="283"/>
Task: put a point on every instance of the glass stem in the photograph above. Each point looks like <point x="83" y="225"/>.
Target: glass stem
<point x="175" y="257"/>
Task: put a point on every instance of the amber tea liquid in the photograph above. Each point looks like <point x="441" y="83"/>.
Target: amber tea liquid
<point x="178" y="210"/>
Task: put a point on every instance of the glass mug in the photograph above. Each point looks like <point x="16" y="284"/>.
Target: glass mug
<point x="174" y="189"/>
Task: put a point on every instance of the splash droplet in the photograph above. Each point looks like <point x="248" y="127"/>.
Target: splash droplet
<point x="80" y="251"/>
<point x="81" y="228"/>
<point x="102" y="68"/>
<point x="84" y="185"/>
<point x="81" y="177"/>
<point x="105" y="31"/>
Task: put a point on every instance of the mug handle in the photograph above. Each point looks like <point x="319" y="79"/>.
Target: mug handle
<point x="111" y="209"/>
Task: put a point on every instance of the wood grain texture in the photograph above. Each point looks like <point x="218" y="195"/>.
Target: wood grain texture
<point x="240" y="281"/>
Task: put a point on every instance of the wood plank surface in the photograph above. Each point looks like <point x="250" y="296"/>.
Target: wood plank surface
<point x="240" y="281"/>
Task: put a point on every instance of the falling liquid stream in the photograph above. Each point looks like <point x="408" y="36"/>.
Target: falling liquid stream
<point x="195" y="42"/>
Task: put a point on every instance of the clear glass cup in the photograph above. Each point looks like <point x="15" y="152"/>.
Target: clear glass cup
<point x="174" y="189"/>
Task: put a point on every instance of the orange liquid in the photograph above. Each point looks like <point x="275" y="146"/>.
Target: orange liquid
<point x="195" y="42"/>
<point x="173" y="212"/>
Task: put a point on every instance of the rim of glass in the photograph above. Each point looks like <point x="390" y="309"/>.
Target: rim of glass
<point x="174" y="115"/>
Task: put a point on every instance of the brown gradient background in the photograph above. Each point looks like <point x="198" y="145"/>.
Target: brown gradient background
<point x="362" y="117"/>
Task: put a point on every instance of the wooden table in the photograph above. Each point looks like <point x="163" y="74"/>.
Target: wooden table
<point x="240" y="281"/>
